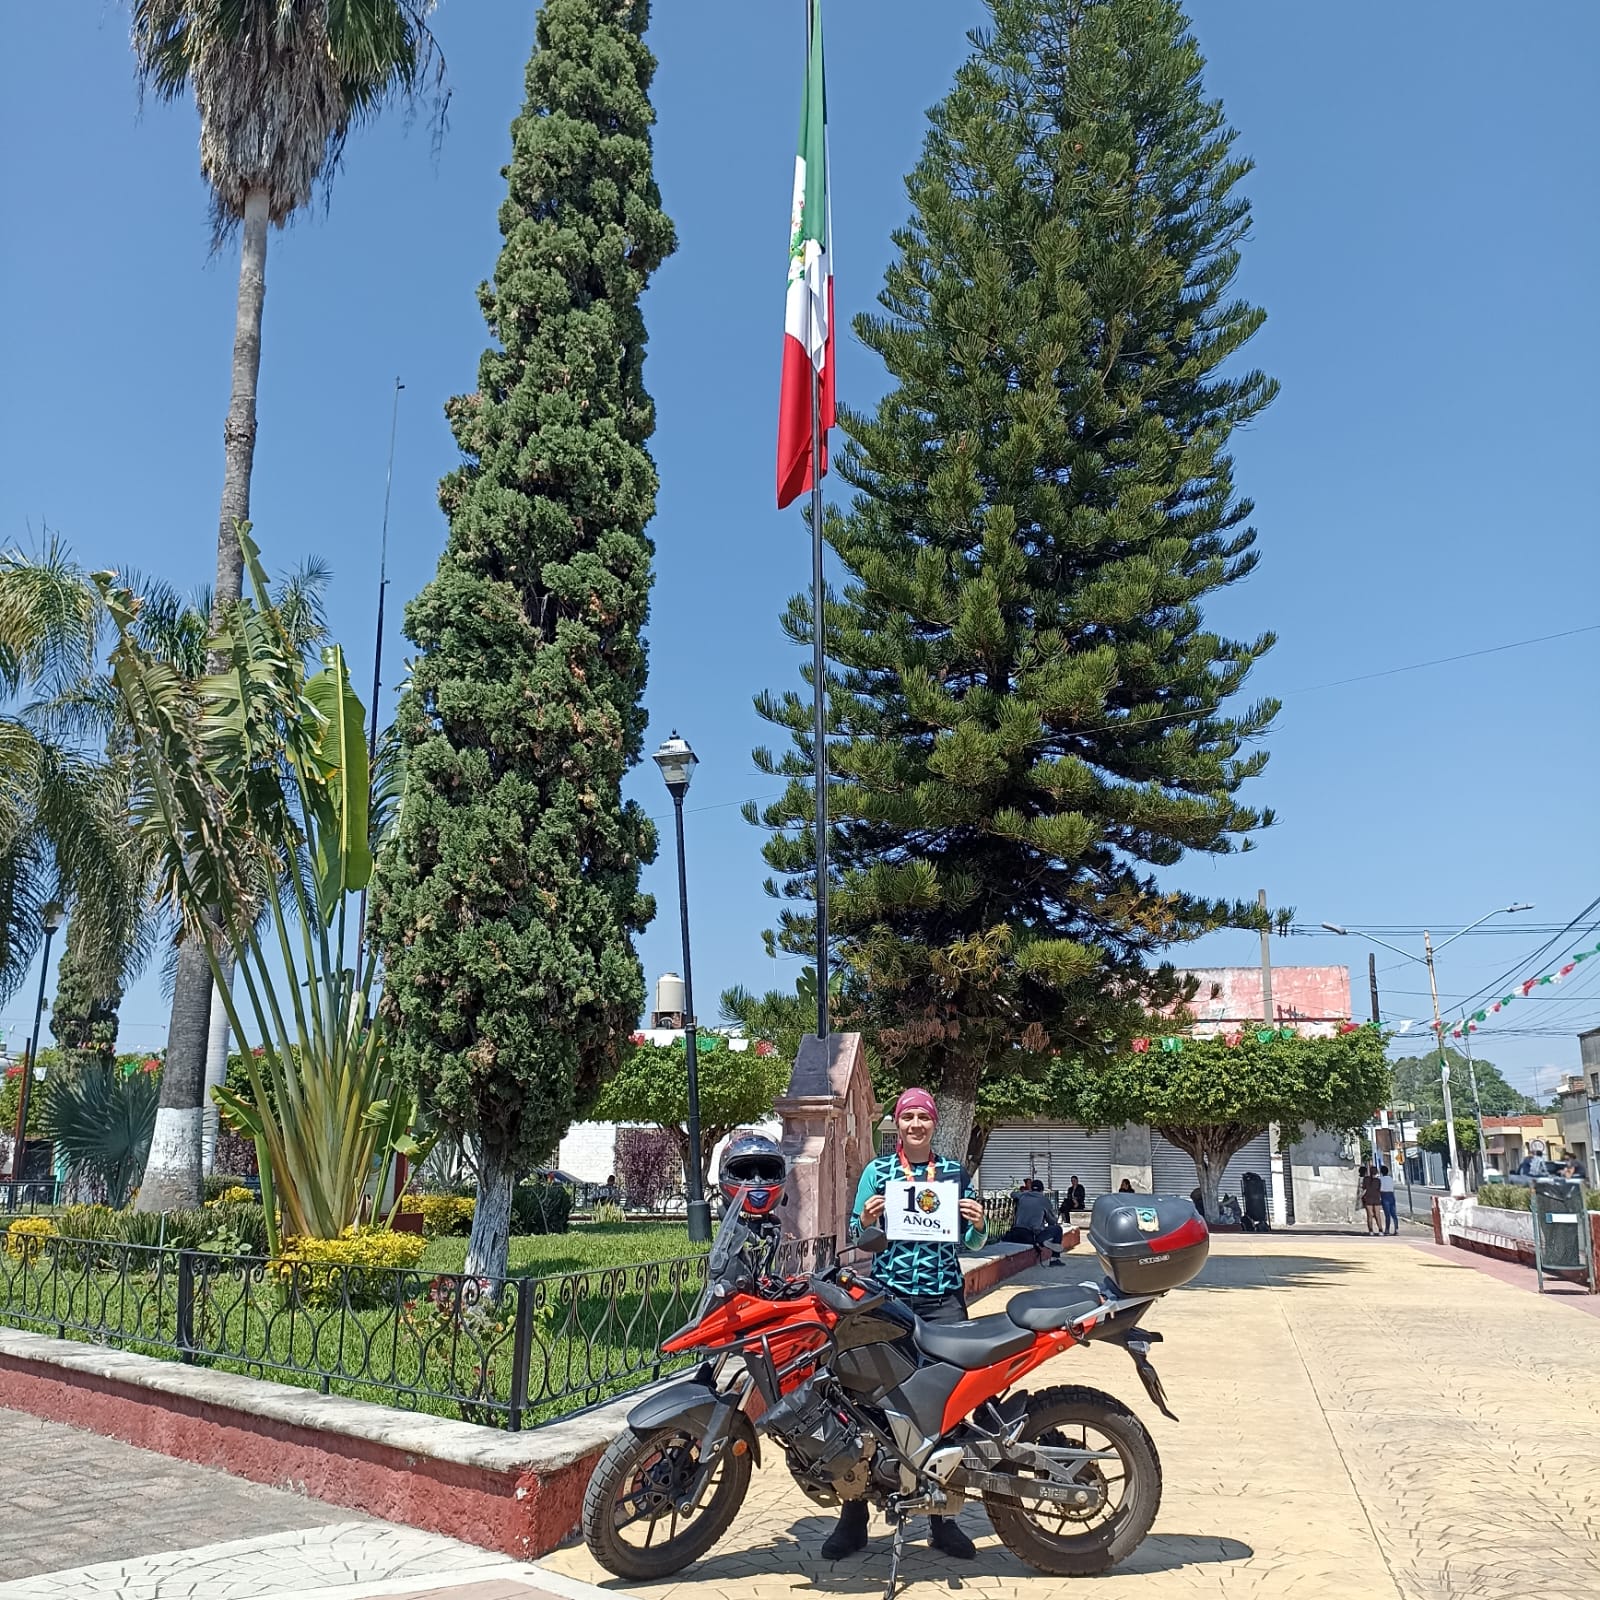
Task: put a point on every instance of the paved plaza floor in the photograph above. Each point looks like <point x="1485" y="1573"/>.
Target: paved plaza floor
<point x="1362" y="1419"/>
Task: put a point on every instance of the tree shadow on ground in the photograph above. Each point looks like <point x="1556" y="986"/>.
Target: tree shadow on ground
<point x="1232" y="1272"/>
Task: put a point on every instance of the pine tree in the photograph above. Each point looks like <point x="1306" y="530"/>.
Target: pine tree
<point x="1026" y="702"/>
<point x="509" y="900"/>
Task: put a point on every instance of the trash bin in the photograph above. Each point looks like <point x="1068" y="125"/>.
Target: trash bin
<point x="1254" y="1188"/>
<point x="1560" y="1228"/>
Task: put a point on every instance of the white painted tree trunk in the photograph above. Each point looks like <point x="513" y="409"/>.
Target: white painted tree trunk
<point x="216" y="1074"/>
<point x="172" y="1169"/>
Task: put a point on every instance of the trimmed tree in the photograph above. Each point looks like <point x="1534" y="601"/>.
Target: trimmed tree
<point x="736" y="1087"/>
<point x="84" y="1016"/>
<point x="507" y="905"/>
<point x="1026" y="703"/>
<point x="1211" y="1097"/>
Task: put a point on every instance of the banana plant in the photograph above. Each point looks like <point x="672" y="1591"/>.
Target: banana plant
<point x="253" y="781"/>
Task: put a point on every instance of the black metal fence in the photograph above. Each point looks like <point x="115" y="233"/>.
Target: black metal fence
<point x="27" y="1195"/>
<point x="999" y="1210"/>
<point x="509" y="1355"/>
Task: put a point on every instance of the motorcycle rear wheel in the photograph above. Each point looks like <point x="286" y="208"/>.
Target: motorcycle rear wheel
<point x="1053" y="1539"/>
<point x="636" y="1487"/>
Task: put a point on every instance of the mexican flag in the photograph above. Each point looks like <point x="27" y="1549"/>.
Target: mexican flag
<point x="808" y="308"/>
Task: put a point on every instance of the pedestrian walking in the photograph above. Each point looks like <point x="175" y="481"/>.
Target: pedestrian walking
<point x="1370" y="1193"/>
<point x="1391" y="1216"/>
<point x="924" y="1273"/>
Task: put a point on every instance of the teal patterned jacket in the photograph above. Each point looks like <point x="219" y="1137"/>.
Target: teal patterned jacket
<point x="914" y="1267"/>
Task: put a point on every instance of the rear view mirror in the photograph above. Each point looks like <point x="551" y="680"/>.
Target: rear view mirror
<point x="872" y="1240"/>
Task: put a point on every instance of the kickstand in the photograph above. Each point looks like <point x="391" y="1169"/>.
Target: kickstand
<point x="894" y="1558"/>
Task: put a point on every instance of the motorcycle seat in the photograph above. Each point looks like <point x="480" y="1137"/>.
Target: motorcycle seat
<point x="970" y="1345"/>
<point x="1044" y="1310"/>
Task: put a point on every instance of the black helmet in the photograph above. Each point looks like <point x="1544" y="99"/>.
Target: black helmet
<point x="753" y="1159"/>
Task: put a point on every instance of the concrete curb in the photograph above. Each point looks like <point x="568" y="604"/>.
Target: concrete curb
<point x="518" y="1493"/>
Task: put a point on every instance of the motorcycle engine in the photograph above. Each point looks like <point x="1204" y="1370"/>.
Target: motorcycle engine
<point x="828" y="1453"/>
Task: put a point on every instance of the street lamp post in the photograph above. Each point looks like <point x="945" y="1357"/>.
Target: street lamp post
<point x="50" y="920"/>
<point x="1458" y="1183"/>
<point x="677" y="762"/>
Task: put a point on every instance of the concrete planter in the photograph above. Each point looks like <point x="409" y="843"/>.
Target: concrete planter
<point x="1491" y="1230"/>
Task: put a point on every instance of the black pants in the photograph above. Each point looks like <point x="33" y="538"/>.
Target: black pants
<point x="1034" y="1236"/>
<point x="948" y="1307"/>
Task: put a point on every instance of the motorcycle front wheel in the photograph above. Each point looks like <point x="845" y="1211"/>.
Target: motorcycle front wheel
<point x="631" y="1520"/>
<point x="1067" y="1540"/>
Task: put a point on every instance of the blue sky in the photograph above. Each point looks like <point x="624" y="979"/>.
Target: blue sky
<point x="1425" y="244"/>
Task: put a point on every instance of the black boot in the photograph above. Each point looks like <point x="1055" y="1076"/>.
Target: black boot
<point x="851" y="1534"/>
<point x="947" y="1538"/>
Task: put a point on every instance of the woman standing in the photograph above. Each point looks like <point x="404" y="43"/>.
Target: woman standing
<point x="1372" y="1198"/>
<point x="925" y="1273"/>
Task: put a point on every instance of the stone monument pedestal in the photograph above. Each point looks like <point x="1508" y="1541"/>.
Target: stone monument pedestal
<point x="830" y="1124"/>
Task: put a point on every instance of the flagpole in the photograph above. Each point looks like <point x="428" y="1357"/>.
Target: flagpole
<point x="819" y="726"/>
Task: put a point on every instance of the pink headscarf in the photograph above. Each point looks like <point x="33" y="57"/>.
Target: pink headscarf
<point x="916" y="1100"/>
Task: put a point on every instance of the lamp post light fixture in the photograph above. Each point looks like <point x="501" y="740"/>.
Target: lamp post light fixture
<point x="1458" y="1182"/>
<point x="677" y="762"/>
<point x="50" y="919"/>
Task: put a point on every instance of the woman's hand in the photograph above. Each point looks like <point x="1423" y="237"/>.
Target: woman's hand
<point x="971" y="1211"/>
<point x="872" y="1210"/>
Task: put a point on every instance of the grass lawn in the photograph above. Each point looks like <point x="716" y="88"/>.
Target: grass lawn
<point x="406" y="1338"/>
<point x="589" y="1244"/>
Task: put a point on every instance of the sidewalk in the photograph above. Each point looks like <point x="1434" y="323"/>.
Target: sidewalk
<point x="1363" y="1419"/>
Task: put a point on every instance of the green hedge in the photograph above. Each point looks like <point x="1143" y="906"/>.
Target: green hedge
<point x="1518" y="1197"/>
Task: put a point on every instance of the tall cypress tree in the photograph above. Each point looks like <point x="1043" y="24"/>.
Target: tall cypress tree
<point x="510" y="896"/>
<point x="1027" y="704"/>
<point x="84" y="1016"/>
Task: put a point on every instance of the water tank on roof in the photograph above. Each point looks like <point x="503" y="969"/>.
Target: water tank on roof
<point x="669" y="995"/>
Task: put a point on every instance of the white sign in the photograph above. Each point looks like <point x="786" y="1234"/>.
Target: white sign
<point x="917" y="1209"/>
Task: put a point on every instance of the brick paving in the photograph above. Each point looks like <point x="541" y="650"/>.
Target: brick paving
<point x="74" y="1498"/>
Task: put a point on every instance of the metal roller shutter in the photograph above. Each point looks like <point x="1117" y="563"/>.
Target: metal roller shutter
<point x="1053" y="1151"/>
<point x="1172" y="1170"/>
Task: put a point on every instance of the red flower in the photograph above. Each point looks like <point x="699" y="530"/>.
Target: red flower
<point x="637" y="1038"/>
<point x="13" y="1072"/>
<point x="763" y="1048"/>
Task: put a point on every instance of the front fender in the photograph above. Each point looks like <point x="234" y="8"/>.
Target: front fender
<point x="692" y="1405"/>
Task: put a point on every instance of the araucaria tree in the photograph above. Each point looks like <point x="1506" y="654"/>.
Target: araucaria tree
<point x="509" y="899"/>
<point x="1028" y="709"/>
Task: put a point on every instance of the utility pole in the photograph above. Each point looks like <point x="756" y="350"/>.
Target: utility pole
<point x="1477" y="1107"/>
<point x="1266" y="962"/>
<point x="1458" y="1182"/>
<point x="1396" y="1115"/>
<point x="1279" y="1164"/>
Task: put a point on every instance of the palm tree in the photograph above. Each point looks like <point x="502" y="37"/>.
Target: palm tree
<point x="63" y="823"/>
<point x="278" y="84"/>
<point x="88" y="712"/>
